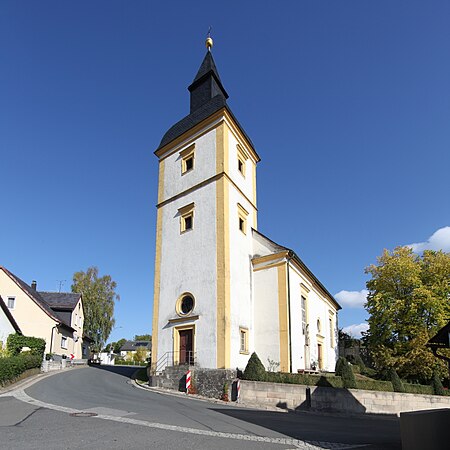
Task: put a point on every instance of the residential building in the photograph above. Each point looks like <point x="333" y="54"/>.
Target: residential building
<point x="56" y="317"/>
<point x="129" y="348"/>
<point x="222" y="289"/>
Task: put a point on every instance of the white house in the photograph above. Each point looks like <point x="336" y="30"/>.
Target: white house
<point x="7" y="324"/>
<point x="222" y="289"/>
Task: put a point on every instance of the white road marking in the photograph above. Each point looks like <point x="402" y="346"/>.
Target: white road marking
<point x="298" y="444"/>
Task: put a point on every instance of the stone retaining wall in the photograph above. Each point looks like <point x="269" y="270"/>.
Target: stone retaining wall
<point x="294" y="397"/>
<point x="207" y="382"/>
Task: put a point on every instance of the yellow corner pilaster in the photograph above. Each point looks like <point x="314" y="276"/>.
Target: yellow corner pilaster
<point x="283" y="317"/>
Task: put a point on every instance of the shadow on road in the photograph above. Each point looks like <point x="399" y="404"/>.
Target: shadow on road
<point x="125" y="371"/>
<point x="381" y="432"/>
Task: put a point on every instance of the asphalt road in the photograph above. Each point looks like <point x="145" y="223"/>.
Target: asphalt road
<point x="39" y="417"/>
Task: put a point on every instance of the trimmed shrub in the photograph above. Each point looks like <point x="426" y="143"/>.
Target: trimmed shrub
<point x="395" y="380"/>
<point x="16" y="342"/>
<point x="340" y="364"/>
<point x="12" y="367"/>
<point x="348" y="377"/>
<point x="254" y="370"/>
<point x="355" y="368"/>
<point x="375" y="385"/>
<point x="307" y="380"/>
<point x="368" y="372"/>
<point x="437" y="385"/>
<point x="418" y="389"/>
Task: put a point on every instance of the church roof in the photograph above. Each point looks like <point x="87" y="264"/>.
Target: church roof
<point x="207" y="96"/>
<point x="208" y="66"/>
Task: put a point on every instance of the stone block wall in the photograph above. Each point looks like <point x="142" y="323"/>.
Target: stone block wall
<point x="294" y="397"/>
<point x="207" y="382"/>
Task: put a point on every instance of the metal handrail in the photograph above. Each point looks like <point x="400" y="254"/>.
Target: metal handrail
<point x="173" y="359"/>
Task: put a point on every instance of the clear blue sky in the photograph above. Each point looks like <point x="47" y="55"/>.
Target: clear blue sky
<point x="347" y="103"/>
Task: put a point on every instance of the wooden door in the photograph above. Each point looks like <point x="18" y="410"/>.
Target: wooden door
<point x="186" y="347"/>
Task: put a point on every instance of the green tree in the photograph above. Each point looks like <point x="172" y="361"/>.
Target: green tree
<point x="408" y="302"/>
<point x="98" y="300"/>
<point x="117" y="345"/>
<point x="141" y="354"/>
<point x="143" y="337"/>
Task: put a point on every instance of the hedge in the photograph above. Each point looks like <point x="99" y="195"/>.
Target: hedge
<point x="375" y="385"/>
<point x="418" y="389"/>
<point x="16" y="342"/>
<point x="13" y="366"/>
<point x="308" y="380"/>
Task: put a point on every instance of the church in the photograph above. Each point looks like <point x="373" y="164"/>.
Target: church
<point x="222" y="289"/>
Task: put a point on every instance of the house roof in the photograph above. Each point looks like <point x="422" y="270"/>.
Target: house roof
<point x="9" y="316"/>
<point x="293" y="256"/>
<point x="60" y="300"/>
<point x="130" y="346"/>
<point x="37" y="298"/>
<point x="442" y="338"/>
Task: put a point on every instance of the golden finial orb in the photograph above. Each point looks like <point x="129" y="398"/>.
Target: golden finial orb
<point x="209" y="43"/>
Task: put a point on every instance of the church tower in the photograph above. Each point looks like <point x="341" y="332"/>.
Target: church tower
<point x="206" y="211"/>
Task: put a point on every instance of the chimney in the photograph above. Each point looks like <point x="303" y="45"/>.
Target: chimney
<point x="34" y="285"/>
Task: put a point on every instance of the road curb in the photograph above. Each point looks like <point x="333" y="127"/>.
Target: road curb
<point x="27" y="382"/>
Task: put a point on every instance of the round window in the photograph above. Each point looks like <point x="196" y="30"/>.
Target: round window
<point x="185" y="304"/>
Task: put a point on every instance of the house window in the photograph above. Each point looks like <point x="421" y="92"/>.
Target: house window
<point x="242" y="218"/>
<point x="319" y="327"/>
<point x="63" y="342"/>
<point x="185" y="304"/>
<point x="243" y="339"/>
<point x="186" y="218"/>
<point x="242" y="156"/>
<point x="187" y="159"/>
<point x="11" y="302"/>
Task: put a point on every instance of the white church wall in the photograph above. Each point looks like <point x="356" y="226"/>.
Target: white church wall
<point x="266" y="315"/>
<point x="188" y="264"/>
<point x="318" y="309"/>
<point x="204" y="166"/>
<point x="243" y="181"/>
<point x="262" y="246"/>
<point x="297" y="337"/>
<point x="240" y="278"/>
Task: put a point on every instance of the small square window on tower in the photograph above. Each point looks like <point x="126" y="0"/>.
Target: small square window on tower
<point x="243" y="340"/>
<point x="242" y="157"/>
<point x="186" y="214"/>
<point x="187" y="159"/>
<point x="242" y="218"/>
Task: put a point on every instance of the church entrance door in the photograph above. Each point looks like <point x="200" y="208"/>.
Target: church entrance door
<point x="186" y="347"/>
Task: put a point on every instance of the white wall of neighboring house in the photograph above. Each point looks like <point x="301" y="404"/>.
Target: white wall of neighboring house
<point x="5" y="328"/>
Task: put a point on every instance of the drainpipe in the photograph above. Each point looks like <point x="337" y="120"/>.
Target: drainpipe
<point x="51" y="339"/>
<point x="289" y="310"/>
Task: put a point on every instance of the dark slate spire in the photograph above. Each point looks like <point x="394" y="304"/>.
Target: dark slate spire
<point x="206" y="84"/>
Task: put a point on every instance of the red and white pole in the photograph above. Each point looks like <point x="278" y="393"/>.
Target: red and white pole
<point x="188" y="381"/>
<point x="238" y="390"/>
